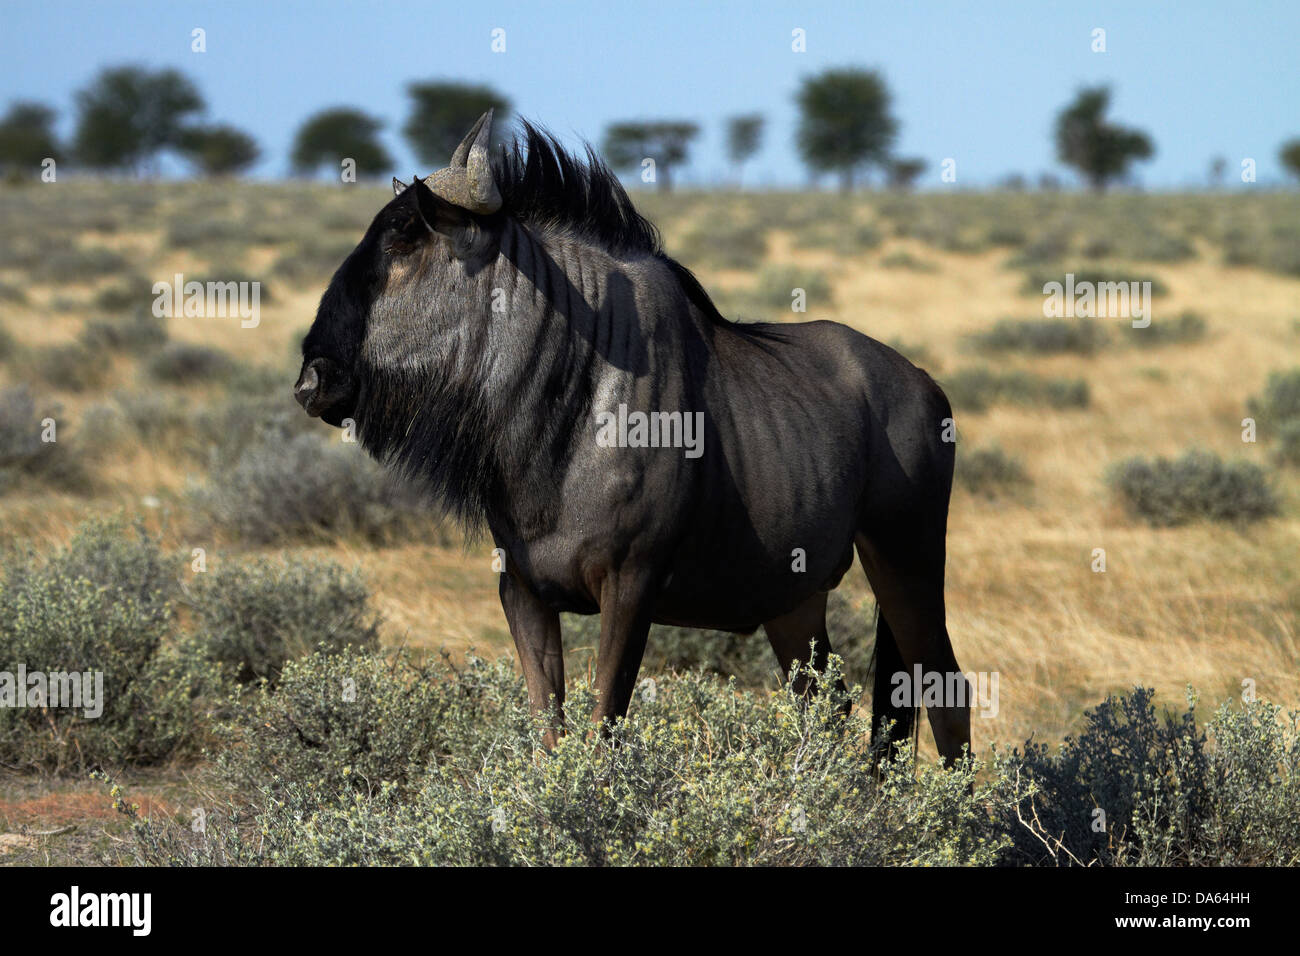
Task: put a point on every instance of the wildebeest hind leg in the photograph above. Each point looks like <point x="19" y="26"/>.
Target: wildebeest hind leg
<point x="905" y="569"/>
<point x="536" y="631"/>
<point x="795" y="634"/>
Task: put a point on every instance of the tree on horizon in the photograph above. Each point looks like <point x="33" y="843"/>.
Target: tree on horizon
<point x="845" y="123"/>
<point x="127" y="115"/>
<point x="667" y="142"/>
<point x="1101" y="151"/>
<point x="330" y="136"/>
<point x="442" y="112"/>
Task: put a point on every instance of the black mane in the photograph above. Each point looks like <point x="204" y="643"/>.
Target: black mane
<point x="544" y="185"/>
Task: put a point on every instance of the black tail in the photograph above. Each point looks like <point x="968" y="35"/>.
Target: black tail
<point x="887" y="660"/>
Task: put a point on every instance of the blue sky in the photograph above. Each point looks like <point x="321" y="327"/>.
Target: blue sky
<point x="979" y="82"/>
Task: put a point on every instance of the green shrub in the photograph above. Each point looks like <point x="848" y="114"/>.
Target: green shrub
<point x="353" y="221"/>
<point x="916" y="353"/>
<point x="315" y="259"/>
<point x="1042" y="249"/>
<point x="791" y="211"/>
<point x="1180" y="330"/>
<point x="350" y="722"/>
<point x="224" y="274"/>
<point x="724" y="242"/>
<point x="24" y="453"/>
<point x="157" y="419"/>
<point x="20" y="429"/>
<point x="12" y="294"/>
<point x="839" y="236"/>
<point x="1170" y="793"/>
<point x="74" y="367"/>
<point x="1142" y="242"/>
<point x="1005" y="234"/>
<point x="1276" y="248"/>
<point x="991" y="472"/>
<point x="1116" y="764"/>
<point x="700" y="773"/>
<point x="125" y="296"/>
<point x="746" y="658"/>
<point x="260" y="381"/>
<point x="1250" y="812"/>
<point x="183" y="363"/>
<point x="1042" y="336"/>
<point x="1199" y="485"/>
<point x="775" y="287"/>
<point x="1096" y="275"/>
<point x="206" y="232"/>
<point x="307" y="488"/>
<point x="26" y="248"/>
<point x="905" y="260"/>
<point x="222" y="432"/>
<point x="975" y="388"/>
<point x="1154" y="246"/>
<point x="1280" y="401"/>
<point x="253" y="617"/>
<point x="135" y="333"/>
<point x="1057" y="392"/>
<point x="72" y="265"/>
<point x="101" y="604"/>
<point x="1098" y="247"/>
<point x="436" y="764"/>
<point x="1288" y="443"/>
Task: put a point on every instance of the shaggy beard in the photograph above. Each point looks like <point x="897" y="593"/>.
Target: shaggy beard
<point x="434" y="435"/>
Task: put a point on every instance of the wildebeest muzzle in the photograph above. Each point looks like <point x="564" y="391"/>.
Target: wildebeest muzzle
<point x="325" y="390"/>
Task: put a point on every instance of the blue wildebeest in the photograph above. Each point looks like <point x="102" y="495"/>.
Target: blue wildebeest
<point x="501" y="315"/>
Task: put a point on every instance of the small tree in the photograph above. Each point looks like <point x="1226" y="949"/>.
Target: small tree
<point x="845" y="123"/>
<point x="903" y="173"/>
<point x="1099" y="150"/>
<point x="744" y="136"/>
<point x="27" y="136"/>
<point x="218" y="150"/>
<point x="442" y="112"/>
<point x="128" y="114"/>
<point x="1289" y="154"/>
<point x="628" y="145"/>
<point x="333" y="135"/>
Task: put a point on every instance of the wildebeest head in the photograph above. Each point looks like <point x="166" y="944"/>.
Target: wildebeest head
<point x="460" y="334"/>
<point x="411" y="262"/>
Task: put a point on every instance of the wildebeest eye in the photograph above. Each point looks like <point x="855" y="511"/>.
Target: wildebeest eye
<point x="404" y="236"/>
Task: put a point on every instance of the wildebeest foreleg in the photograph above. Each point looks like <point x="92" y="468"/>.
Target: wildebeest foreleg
<point x="624" y="626"/>
<point x="536" y="631"/>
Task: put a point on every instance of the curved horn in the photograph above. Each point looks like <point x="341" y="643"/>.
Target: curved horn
<point x="461" y="153"/>
<point x="468" y="181"/>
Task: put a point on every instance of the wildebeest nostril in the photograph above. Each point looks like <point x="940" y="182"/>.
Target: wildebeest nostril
<point x="326" y="390"/>
<point x="310" y="380"/>
<point x="308" y="387"/>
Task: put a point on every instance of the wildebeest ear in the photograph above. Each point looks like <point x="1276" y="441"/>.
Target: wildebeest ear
<point x="399" y="187"/>
<point x="440" y="216"/>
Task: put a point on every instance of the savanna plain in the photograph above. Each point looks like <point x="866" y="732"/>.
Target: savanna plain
<point x="304" y="664"/>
